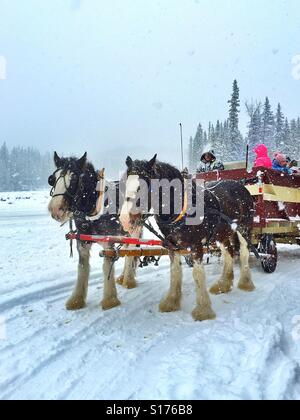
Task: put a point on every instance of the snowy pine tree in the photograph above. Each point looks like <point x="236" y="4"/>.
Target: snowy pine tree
<point x="4" y="169"/>
<point x="198" y="146"/>
<point x="255" y="128"/>
<point x="236" y="141"/>
<point x="288" y="147"/>
<point x="24" y="169"/>
<point x="279" y="128"/>
<point x="268" y="127"/>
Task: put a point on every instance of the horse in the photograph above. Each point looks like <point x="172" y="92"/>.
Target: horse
<point x="74" y="196"/>
<point x="228" y="218"/>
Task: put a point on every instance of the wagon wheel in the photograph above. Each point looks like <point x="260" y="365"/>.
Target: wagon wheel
<point x="268" y="246"/>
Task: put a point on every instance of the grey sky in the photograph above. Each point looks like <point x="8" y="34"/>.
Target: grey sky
<point x="120" y="75"/>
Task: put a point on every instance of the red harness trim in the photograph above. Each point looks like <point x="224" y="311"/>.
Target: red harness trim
<point x="113" y="240"/>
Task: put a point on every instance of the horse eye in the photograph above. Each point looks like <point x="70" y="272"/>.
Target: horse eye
<point x="52" y="180"/>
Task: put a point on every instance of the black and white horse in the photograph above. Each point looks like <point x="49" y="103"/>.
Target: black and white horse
<point x="228" y="218"/>
<point x="75" y="195"/>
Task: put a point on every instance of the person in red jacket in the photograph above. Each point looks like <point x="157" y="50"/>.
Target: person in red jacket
<point x="262" y="157"/>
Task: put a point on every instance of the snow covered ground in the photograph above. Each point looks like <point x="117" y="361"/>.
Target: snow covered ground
<point x="252" y="350"/>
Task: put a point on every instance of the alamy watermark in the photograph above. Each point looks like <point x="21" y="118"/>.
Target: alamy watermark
<point x="158" y="197"/>
<point x="296" y="67"/>
<point x="2" y="328"/>
<point x="3" y="67"/>
<point x="296" y="329"/>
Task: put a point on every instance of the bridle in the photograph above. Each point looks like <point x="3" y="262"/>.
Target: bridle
<point x="70" y="192"/>
<point x="78" y="191"/>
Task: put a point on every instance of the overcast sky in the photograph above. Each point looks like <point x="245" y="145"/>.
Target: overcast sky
<point x="109" y="75"/>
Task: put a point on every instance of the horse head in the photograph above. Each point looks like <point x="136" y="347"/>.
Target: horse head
<point x="66" y="184"/>
<point x="137" y="193"/>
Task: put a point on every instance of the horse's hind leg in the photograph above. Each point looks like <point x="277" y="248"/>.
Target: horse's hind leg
<point x="128" y="278"/>
<point x="225" y="284"/>
<point x="203" y="310"/>
<point x="245" y="282"/>
<point x="173" y="300"/>
<point x="78" y="299"/>
<point x="110" y="296"/>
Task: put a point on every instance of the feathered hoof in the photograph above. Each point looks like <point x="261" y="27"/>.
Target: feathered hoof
<point x="221" y="288"/>
<point x="246" y="286"/>
<point x="169" y="305"/>
<point x="203" y="314"/>
<point x="120" y="280"/>
<point x="75" y="303"/>
<point x="111" y="303"/>
<point x="130" y="284"/>
<point x="127" y="283"/>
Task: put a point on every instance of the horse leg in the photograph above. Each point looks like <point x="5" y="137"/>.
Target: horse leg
<point x="78" y="299"/>
<point x="110" y="296"/>
<point x="173" y="300"/>
<point x="245" y="282"/>
<point x="203" y="310"/>
<point x="225" y="284"/>
<point x="129" y="281"/>
<point x="128" y="277"/>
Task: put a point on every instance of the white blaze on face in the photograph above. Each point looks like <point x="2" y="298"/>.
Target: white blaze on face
<point x="56" y="205"/>
<point x="132" y="187"/>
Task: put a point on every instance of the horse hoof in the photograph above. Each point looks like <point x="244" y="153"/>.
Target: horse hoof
<point x="169" y="305"/>
<point x="111" y="303"/>
<point x="221" y="288"/>
<point x="246" y="286"/>
<point x="75" y="304"/>
<point x="120" y="280"/>
<point x="129" y="285"/>
<point x="203" y="314"/>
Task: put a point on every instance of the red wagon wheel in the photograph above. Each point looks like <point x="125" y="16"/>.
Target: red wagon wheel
<point x="268" y="247"/>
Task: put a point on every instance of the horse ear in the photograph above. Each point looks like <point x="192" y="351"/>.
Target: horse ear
<point x="82" y="161"/>
<point x="129" y="162"/>
<point x="57" y="160"/>
<point x="152" y="162"/>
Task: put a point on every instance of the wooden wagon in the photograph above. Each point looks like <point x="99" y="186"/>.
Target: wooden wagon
<point x="277" y="209"/>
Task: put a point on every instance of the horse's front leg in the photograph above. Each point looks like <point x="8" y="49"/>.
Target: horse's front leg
<point x="78" y="299"/>
<point x="203" y="310"/>
<point x="173" y="300"/>
<point x="110" y="296"/>
<point x="128" y="278"/>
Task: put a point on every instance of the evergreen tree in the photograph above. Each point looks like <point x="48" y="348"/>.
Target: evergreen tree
<point x="287" y="139"/>
<point x="255" y="128"/>
<point x="294" y="145"/>
<point x="191" y="155"/>
<point x="235" y="137"/>
<point x="4" y="168"/>
<point x="268" y="127"/>
<point x="279" y="128"/>
<point x="198" y="146"/>
<point x="24" y="169"/>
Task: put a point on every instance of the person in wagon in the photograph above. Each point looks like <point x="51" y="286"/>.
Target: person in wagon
<point x="280" y="163"/>
<point x="209" y="162"/>
<point x="262" y="157"/>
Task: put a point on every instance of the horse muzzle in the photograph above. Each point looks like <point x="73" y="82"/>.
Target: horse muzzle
<point x="58" y="210"/>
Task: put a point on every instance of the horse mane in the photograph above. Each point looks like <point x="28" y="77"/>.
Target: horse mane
<point x="167" y="171"/>
<point x="71" y="163"/>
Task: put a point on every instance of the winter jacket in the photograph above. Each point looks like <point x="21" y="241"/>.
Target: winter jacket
<point x="210" y="166"/>
<point x="284" y="169"/>
<point x="262" y="157"/>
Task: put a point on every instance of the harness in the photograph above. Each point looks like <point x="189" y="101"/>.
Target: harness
<point x="74" y="192"/>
